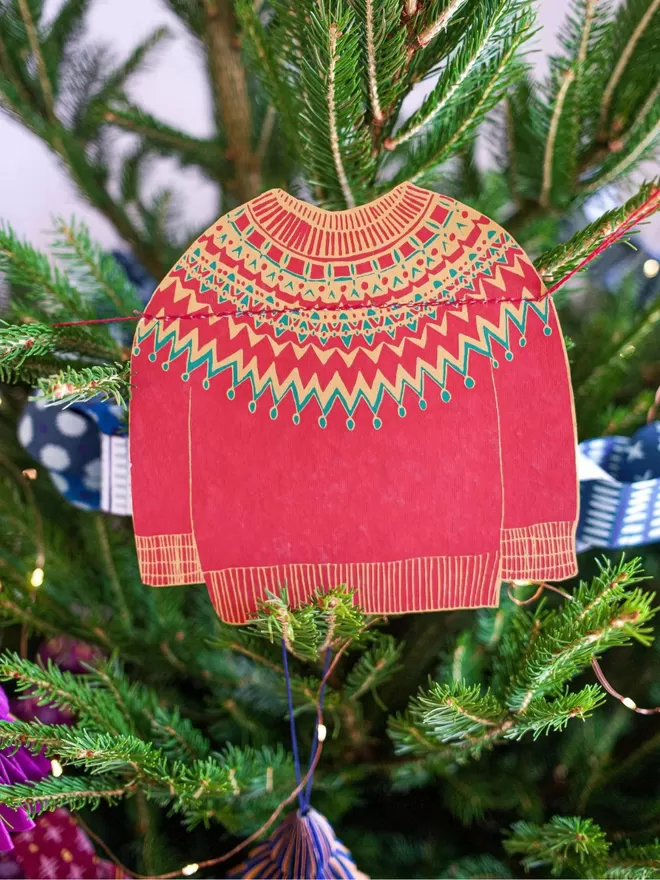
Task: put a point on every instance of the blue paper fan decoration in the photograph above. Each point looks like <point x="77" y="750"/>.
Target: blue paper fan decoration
<point x="303" y="847"/>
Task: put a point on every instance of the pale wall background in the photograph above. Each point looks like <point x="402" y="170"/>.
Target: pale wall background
<point x="174" y="88"/>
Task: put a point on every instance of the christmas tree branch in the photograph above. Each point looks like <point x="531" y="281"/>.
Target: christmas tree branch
<point x="19" y="343"/>
<point x="94" y="708"/>
<point x="564" y="260"/>
<point x="624" y="60"/>
<point x="71" y="385"/>
<point x="208" y="153"/>
<point x="564" y="843"/>
<point x="605" y="613"/>
<point x="478" y="44"/>
<point x="75" y="793"/>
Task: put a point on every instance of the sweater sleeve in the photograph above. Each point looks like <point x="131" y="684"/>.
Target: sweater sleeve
<point x="537" y="431"/>
<point x="160" y="467"/>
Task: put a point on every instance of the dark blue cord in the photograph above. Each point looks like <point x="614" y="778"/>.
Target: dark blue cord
<point x="292" y="723"/>
<point x="304" y="798"/>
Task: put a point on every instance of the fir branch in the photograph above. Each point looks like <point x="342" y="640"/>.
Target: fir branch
<point x="590" y="391"/>
<point x="330" y="620"/>
<point x="603" y="614"/>
<point x="374" y="667"/>
<point x="410" y="739"/>
<point x="641" y="117"/>
<point x="543" y="716"/>
<point x="565" y="842"/>
<point x="35" y="48"/>
<point x="458" y="126"/>
<point x="634" y="862"/>
<point x="19" y="343"/>
<point x="93" y="271"/>
<point x="624" y="59"/>
<point x="376" y="108"/>
<point x="51" y="685"/>
<point x="73" y="792"/>
<point x="638" y="145"/>
<point x="71" y="385"/>
<point x="267" y="65"/>
<point x="99" y="753"/>
<point x="549" y="152"/>
<point x="332" y="118"/>
<point x="432" y="30"/>
<point x="208" y="153"/>
<point x="386" y="58"/>
<point x="42" y="288"/>
<point x="478" y="46"/>
<point x="336" y="143"/>
<point x="553" y="266"/>
<point x="177" y="736"/>
<point x="117" y="78"/>
<point x="447" y="714"/>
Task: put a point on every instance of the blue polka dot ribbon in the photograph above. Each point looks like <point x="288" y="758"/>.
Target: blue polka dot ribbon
<point x="84" y="447"/>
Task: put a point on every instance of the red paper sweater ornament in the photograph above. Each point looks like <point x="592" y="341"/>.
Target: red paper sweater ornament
<point x="376" y="397"/>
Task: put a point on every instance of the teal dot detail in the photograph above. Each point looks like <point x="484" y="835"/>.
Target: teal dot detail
<point x="185" y="376"/>
<point x="322" y="422"/>
<point x="152" y="357"/>
<point x="296" y="419"/>
<point x="422" y="403"/>
<point x="496" y="364"/>
<point x="252" y="406"/>
<point x="437" y="284"/>
<point x="231" y="394"/>
<point x="445" y="396"/>
<point x="522" y="342"/>
<point x="378" y="423"/>
<point x="166" y="366"/>
<point x="206" y="384"/>
<point x="350" y="424"/>
<point x="509" y="355"/>
<point x="273" y="412"/>
<point x="547" y="331"/>
<point x="402" y="411"/>
<point x="136" y="350"/>
<point x="469" y="382"/>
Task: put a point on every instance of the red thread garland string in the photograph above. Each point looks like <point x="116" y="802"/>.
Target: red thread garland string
<point x="327" y="307"/>
<point x="645" y="210"/>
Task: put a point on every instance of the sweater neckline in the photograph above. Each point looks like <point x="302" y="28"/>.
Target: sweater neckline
<point x="316" y="232"/>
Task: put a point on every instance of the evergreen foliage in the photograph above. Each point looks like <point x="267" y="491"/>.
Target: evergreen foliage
<point x="444" y="730"/>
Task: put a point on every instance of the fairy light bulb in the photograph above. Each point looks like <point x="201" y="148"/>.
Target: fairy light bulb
<point x="628" y="703"/>
<point x="56" y="768"/>
<point x="37" y="577"/>
<point x="651" y="268"/>
<point x="189" y="870"/>
<point x="322" y="732"/>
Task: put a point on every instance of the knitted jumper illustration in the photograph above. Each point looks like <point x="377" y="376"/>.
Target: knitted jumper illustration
<point x="376" y="397"/>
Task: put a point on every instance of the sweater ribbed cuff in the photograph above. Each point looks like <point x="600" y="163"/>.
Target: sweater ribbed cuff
<point x="431" y="583"/>
<point x="168" y="560"/>
<point x="542" y="552"/>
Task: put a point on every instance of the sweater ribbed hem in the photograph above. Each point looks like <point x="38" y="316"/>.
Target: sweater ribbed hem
<point x="431" y="583"/>
<point x="168" y="560"/>
<point x="542" y="552"/>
